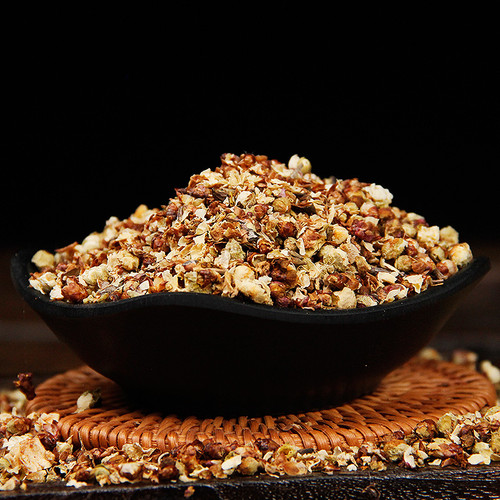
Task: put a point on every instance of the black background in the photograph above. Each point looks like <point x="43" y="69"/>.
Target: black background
<point x="85" y="138"/>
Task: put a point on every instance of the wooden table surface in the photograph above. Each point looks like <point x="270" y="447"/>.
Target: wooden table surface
<point x="27" y="345"/>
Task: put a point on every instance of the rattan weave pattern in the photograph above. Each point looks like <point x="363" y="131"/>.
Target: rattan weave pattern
<point x="418" y="390"/>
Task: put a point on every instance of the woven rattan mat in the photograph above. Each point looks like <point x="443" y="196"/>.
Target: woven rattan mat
<point x="418" y="390"/>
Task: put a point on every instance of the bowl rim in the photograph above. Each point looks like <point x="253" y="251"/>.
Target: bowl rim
<point x="21" y="261"/>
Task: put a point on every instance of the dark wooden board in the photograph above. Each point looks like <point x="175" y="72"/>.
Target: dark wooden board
<point x="478" y="482"/>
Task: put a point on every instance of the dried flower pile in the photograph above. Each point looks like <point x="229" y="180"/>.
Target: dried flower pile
<point x="31" y="450"/>
<point x="263" y="231"/>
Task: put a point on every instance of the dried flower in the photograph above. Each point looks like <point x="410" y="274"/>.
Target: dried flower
<point x="24" y="383"/>
<point x="207" y="237"/>
<point x="88" y="399"/>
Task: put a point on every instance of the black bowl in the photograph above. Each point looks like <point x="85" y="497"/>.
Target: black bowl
<point x="188" y="353"/>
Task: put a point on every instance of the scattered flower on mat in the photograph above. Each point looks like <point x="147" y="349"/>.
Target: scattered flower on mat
<point x="32" y="450"/>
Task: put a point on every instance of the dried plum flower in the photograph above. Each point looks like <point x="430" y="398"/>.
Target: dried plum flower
<point x="230" y="228"/>
<point x="88" y="399"/>
<point x="24" y="383"/>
